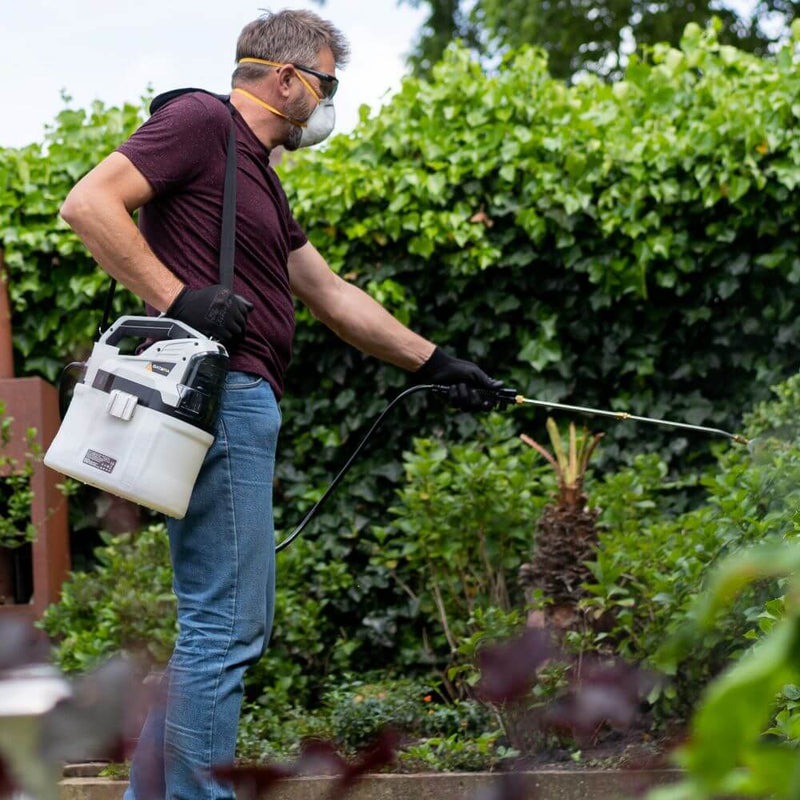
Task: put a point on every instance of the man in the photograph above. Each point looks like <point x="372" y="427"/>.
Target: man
<point x="173" y="169"/>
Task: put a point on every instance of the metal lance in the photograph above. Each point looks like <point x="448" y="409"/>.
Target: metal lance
<point x="621" y="416"/>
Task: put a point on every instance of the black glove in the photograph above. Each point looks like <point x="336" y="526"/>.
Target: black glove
<point x="214" y="311"/>
<point x="464" y="379"/>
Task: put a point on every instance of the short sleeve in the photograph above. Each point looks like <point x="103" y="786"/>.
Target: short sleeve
<point x="174" y="145"/>
<point x="297" y="236"/>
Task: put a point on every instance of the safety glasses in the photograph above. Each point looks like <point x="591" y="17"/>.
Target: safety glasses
<point x="329" y="83"/>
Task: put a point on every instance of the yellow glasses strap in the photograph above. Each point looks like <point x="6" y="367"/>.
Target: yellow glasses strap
<point x="270" y="108"/>
<point x="276" y="64"/>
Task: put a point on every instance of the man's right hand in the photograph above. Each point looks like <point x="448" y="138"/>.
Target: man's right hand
<point x="214" y="311"/>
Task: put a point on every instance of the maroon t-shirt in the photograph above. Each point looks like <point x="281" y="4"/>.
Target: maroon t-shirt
<point x="181" y="150"/>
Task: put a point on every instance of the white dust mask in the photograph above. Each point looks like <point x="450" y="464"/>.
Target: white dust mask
<point x="320" y="124"/>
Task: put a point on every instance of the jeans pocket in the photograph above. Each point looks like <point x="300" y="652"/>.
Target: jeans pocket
<point x="242" y="380"/>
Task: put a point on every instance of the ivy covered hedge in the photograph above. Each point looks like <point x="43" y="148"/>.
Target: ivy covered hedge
<point x="633" y="245"/>
<point x="56" y="290"/>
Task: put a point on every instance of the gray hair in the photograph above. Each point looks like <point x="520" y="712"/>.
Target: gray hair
<point x="287" y="37"/>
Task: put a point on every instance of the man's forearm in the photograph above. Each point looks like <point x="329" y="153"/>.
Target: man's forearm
<point x="115" y="242"/>
<point x="364" y="323"/>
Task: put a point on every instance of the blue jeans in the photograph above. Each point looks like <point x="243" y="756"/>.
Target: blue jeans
<point x="223" y="557"/>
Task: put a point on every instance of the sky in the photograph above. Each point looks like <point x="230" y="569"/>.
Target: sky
<point x="111" y="50"/>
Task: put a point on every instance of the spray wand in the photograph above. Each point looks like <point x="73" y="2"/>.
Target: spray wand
<point x="498" y="397"/>
<point x="510" y="397"/>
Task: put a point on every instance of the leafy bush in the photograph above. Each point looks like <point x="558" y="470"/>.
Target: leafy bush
<point x="462" y="526"/>
<point x="352" y="712"/>
<point x="125" y="601"/>
<point x="49" y="270"/>
<point x="651" y="567"/>
<point x="727" y="752"/>
<point x="455" y="753"/>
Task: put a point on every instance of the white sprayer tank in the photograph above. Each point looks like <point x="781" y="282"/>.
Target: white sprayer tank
<point x="139" y="426"/>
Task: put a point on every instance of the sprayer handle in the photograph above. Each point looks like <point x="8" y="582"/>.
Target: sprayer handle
<point x="156" y="328"/>
<point x="499" y="396"/>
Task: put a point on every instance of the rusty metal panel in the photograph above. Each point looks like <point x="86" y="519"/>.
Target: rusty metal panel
<point x="33" y="403"/>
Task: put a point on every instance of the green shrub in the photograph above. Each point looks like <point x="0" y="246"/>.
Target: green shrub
<point x="651" y="566"/>
<point x="457" y="754"/>
<point x="727" y="752"/>
<point x="54" y="286"/>
<point x="352" y="712"/>
<point x="462" y="526"/>
<point x="125" y="601"/>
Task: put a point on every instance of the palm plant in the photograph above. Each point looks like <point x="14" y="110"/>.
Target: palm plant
<point x="566" y="533"/>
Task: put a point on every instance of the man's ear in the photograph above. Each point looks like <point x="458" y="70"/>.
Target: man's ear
<point x="285" y="76"/>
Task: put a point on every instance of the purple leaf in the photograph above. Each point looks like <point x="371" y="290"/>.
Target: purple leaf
<point x="21" y="644"/>
<point x="7" y="785"/>
<point x="117" y="515"/>
<point x="99" y="719"/>
<point x="316" y="757"/>
<point x="508" y="670"/>
<point x="253" y="781"/>
<point x="319" y="757"/>
<point x="603" y="694"/>
<point x="506" y="786"/>
<point x="380" y="754"/>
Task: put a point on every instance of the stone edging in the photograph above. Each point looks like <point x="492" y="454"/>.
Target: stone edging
<point x="544" y="785"/>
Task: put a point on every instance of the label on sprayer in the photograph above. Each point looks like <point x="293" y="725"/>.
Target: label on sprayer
<point x="161" y="367"/>
<point x="100" y="461"/>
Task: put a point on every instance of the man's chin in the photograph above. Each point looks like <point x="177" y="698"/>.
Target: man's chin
<point x="293" y="141"/>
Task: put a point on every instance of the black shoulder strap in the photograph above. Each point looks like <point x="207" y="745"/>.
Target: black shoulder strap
<point x="227" y="246"/>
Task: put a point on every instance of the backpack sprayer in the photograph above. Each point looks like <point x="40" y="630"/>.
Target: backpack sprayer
<point x="139" y="426"/>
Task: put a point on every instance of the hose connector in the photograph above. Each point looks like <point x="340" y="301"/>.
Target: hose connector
<point x="500" y="397"/>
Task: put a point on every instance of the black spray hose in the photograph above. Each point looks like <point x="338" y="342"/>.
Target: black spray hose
<point x="498" y="397"/>
<point x="343" y="471"/>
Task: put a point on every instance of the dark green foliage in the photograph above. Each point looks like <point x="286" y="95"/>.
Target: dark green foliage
<point x="652" y="565"/>
<point x="352" y="711"/>
<point x="463" y="524"/>
<point x="586" y="36"/>
<point x="126" y="601"/>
